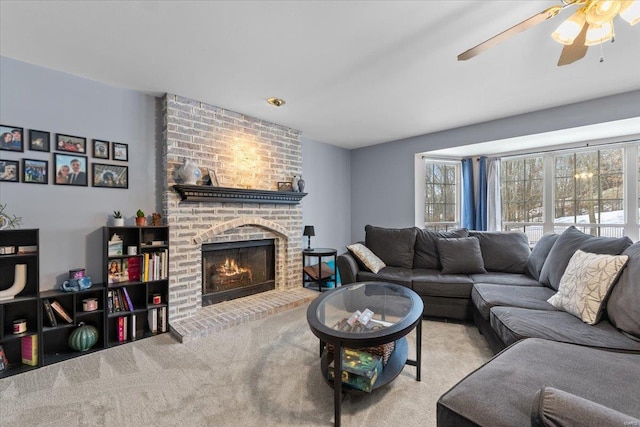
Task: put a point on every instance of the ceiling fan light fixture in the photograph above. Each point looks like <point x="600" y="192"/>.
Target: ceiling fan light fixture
<point x="630" y="11"/>
<point x="602" y="11"/>
<point x="567" y="32"/>
<point x="597" y="34"/>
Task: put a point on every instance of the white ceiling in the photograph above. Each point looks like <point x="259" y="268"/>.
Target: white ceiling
<point x="353" y="73"/>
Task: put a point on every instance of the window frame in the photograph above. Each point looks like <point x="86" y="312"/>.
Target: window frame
<point x="421" y="202"/>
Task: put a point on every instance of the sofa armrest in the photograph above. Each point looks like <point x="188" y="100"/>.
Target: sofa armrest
<point x="553" y="407"/>
<point x="348" y="268"/>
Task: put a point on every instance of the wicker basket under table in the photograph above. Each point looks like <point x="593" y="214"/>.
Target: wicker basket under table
<point x="383" y="350"/>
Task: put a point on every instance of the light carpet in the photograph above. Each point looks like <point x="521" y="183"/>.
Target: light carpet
<point x="261" y="373"/>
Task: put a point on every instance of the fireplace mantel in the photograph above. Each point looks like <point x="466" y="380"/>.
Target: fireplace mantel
<point x="203" y="193"/>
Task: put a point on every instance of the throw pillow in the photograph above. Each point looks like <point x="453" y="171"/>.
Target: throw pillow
<point x="503" y="251"/>
<point x="394" y="246"/>
<point x="623" y="306"/>
<point x="568" y="243"/>
<point x="368" y="258"/>
<point x="426" y="248"/>
<point x="586" y="283"/>
<point x="460" y="256"/>
<point x="539" y="255"/>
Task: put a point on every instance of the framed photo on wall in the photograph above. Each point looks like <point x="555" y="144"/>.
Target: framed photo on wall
<point x="120" y="151"/>
<point x="100" y="149"/>
<point x="72" y="144"/>
<point x="9" y="171"/>
<point x="11" y="138"/>
<point x="110" y="176"/>
<point x="70" y="169"/>
<point x="39" y="140"/>
<point x="35" y="171"/>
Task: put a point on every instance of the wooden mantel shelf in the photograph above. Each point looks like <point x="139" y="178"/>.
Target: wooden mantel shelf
<point x="203" y="193"/>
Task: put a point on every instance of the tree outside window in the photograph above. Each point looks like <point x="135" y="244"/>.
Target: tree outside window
<point x="441" y="210"/>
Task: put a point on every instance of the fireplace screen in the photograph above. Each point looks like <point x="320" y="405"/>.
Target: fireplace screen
<point x="237" y="269"/>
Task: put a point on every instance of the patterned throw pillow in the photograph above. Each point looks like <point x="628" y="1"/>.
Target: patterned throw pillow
<point x="368" y="258"/>
<point x="585" y="284"/>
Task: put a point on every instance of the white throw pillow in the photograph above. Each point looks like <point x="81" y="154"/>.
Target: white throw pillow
<point x="585" y="284"/>
<point x="368" y="258"/>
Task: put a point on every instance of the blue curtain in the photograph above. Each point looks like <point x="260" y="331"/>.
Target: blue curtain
<point x="468" y="204"/>
<point x="481" y="203"/>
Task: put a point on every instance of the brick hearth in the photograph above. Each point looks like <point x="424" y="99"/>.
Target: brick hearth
<point x="217" y="317"/>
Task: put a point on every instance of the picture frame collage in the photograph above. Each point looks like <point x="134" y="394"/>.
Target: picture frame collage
<point x="70" y="159"/>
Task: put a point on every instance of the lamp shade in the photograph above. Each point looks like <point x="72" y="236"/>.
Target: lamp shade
<point x="569" y="29"/>
<point x="309" y="231"/>
<point x="630" y="12"/>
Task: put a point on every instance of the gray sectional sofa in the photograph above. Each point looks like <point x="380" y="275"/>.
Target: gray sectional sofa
<point x="496" y="280"/>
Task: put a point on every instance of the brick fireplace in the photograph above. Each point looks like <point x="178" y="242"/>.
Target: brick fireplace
<point x="244" y="152"/>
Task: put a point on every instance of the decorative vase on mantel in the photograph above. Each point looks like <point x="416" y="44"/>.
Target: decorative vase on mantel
<point x="189" y="172"/>
<point x="301" y="184"/>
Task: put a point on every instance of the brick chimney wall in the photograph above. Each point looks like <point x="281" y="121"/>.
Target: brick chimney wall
<point x="244" y="152"/>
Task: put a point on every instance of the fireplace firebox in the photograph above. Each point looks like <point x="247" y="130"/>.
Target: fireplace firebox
<point x="237" y="269"/>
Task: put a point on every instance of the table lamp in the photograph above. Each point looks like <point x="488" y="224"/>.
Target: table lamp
<point x="308" y="231"/>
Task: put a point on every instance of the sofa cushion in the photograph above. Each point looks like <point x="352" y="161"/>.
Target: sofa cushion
<point x="426" y="248"/>
<point x="623" y="307"/>
<point x="432" y="283"/>
<point x="399" y="275"/>
<point x="557" y="408"/>
<point x="485" y="296"/>
<point x="394" y="246"/>
<point x="366" y="257"/>
<point x="568" y="243"/>
<point x="504" y="279"/>
<point x="506" y="251"/>
<point x="460" y="256"/>
<point x="586" y="283"/>
<point x="539" y="254"/>
<point x="500" y="393"/>
<point x="512" y="324"/>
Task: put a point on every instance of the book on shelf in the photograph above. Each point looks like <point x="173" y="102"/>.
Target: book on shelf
<point x="116" y="301"/>
<point x="4" y="362"/>
<point x="110" y="308"/>
<point x="127" y="299"/>
<point x="49" y="312"/>
<point x="60" y="311"/>
<point x="134" y="325"/>
<point x="29" y="349"/>
<point x="122" y="328"/>
<point x="23" y="250"/>
<point x="162" y="319"/>
<point x="133" y="268"/>
<point x="152" y="317"/>
<point x="123" y="302"/>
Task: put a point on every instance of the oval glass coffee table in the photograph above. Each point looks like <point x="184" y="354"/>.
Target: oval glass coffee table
<point x="397" y="310"/>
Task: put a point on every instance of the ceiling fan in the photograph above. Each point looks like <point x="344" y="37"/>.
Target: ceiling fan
<point x="590" y="25"/>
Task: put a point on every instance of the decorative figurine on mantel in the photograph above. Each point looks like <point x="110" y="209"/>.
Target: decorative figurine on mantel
<point x="189" y="172"/>
<point x="295" y="182"/>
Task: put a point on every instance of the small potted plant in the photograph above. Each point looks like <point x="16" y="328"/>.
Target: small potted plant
<point x="118" y="221"/>
<point x="141" y="220"/>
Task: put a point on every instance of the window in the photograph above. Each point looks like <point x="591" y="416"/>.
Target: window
<point x="442" y="195"/>
<point x="522" y="190"/>
<point x="589" y="191"/>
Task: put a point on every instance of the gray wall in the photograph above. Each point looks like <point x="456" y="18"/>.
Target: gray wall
<point x="70" y="218"/>
<point x="327" y="207"/>
<point x="382" y="184"/>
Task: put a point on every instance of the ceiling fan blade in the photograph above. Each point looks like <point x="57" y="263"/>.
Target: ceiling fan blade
<point x="576" y="50"/>
<point x="522" y="26"/>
